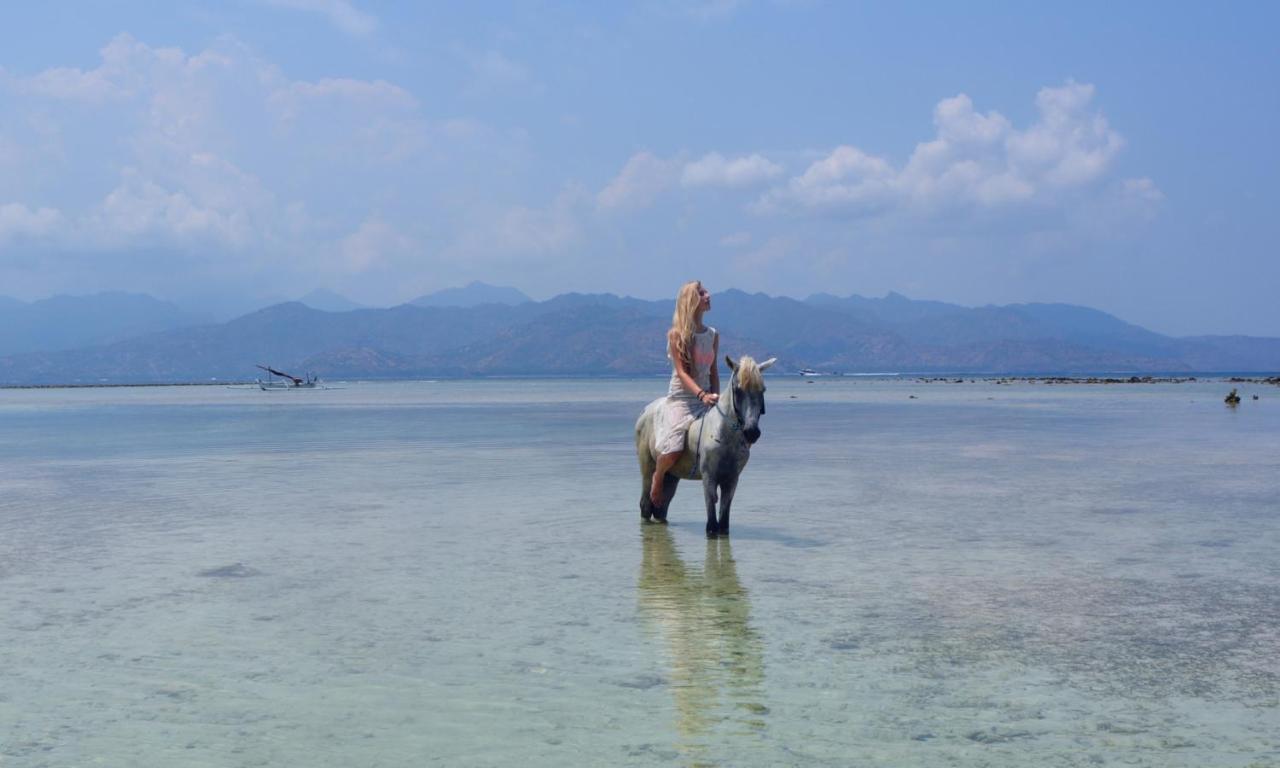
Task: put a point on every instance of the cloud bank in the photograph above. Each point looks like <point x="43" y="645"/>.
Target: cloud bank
<point x="975" y="159"/>
<point x="715" y="169"/>
<point x="224" y="161"/>
<point x="216" y="151"/>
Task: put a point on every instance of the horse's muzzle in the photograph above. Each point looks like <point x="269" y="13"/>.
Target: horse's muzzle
<point x="752" y="434"/>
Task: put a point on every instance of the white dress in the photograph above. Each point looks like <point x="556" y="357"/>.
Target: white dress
<point x="681" y="407"/>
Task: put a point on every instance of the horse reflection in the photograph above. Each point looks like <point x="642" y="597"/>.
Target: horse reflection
<point x="703" y="619"/>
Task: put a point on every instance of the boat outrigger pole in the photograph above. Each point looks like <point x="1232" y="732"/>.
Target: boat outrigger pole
<point x="296" y="381"/>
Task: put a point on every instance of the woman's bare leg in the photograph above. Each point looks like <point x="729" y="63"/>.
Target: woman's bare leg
<point x="665" y="462"/>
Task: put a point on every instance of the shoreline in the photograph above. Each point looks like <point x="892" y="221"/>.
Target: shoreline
<point x="914" y="378"/>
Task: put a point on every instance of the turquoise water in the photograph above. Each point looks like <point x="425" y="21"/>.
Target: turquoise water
<point x="455" y="573"/>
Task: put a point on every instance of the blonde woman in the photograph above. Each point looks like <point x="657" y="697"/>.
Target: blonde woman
<point x="695" y="378"/>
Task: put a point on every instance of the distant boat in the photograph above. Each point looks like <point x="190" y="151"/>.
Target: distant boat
<point x="810" y="372"/>
<point x="281" y="380"/>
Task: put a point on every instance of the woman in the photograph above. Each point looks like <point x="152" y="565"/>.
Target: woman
<point x="695" y="379"/>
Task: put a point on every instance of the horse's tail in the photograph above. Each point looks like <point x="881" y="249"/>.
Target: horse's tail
<point x="644" y="429"/>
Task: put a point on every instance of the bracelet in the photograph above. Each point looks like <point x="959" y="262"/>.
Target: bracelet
<point x="702" y="393"/>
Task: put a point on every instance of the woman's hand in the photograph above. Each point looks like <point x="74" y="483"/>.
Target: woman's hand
<point x="709" y="398"/>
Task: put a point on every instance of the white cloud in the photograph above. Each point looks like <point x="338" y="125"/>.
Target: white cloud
<point x="848" y="178"/>
<point x="1130" y="200"/>
<point x="1143" y="189"/>
<point x="714" y="169"/>
<point x="638" y="184"/>
<point x="184" y="148"/>
<point x="125" y="66"/>
<point x="19" y="221"/>
<point x="1068" y="146"/>
<point x="770" y="253"/>
<point x="519" y="239"/>
<point x="143" y="207"/>
<point x="205" y="200"/>
<point x="547" y="230"/>
<point x="340" y="13"/>
<point x="372" y="121"/>
<point x="975" y="159"/>
<point x="374" y="243"/>
<point x="360" y="93"/>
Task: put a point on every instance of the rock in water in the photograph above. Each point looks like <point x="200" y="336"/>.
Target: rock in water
<point x="233" y="571"/>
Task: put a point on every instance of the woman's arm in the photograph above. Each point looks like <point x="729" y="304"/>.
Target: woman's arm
<point x="685" y="377"/>
<point x="715" y="366"/>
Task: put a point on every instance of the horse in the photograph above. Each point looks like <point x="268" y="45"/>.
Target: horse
<point x="717" y="446"/>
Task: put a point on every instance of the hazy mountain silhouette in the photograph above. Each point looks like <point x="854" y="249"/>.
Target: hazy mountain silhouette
<point x="221" y="307"/>
<point x="70" y="322"/>
<point x="328" y="301"/>
<point x="473" y="294"/>
<point x="602" y="334"/>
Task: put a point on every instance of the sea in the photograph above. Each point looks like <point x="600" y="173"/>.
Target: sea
<point x="965" y="572"/>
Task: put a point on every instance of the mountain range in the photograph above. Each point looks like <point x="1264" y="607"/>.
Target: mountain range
<point x="603" y="334"/>
<point x="73" y="322"/>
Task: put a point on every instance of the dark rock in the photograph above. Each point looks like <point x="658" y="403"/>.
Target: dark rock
<point x="997" y="736"/>
<point x="641" y="682"/>
<point x="233" y="571"/>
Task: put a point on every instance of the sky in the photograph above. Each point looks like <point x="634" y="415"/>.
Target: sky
<point x="1121" y="156"/>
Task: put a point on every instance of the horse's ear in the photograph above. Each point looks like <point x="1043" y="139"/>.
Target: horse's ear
<point x="732" y="365"/>
<point x="768" y="363"/>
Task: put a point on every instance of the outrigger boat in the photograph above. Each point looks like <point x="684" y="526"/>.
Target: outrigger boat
<point x="285" y="380"/>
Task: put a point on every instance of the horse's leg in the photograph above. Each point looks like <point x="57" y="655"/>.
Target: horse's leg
<point x="709" y="494"/>
<point x="669" y="483"/>
<point x="727" y="489"/>
<point x="647" y="466"/>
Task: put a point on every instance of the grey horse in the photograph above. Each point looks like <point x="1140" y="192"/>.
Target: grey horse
<point x="717" y="446"/>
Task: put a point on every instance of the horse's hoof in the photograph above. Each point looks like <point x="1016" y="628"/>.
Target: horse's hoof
<point x="724" y="530"/>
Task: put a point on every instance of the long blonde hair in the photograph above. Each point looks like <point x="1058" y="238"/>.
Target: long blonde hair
<point x="684" y="321"/>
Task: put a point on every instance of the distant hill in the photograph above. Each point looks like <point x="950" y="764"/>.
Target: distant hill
<point x="7" y="302"/>
<point x="603" y="334"/>
<point x="71" y="322"/>
<point x="328" y="301"/>
<point x="893" y="309"/>
<point x="472" y="295"/>
<point x="221" y="307"/>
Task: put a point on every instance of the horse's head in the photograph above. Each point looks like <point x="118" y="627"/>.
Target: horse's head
<point x="747" y="386"/>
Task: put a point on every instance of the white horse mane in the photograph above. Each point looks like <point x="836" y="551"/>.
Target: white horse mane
<point x="749" y="375"/>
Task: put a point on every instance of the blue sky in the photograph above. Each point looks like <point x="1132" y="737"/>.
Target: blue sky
<point x="1117" y="155"/>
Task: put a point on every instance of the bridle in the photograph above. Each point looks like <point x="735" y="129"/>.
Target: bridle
<point x="735" y="424"/>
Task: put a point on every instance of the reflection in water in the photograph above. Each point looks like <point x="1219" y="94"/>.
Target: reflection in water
<point x="715" y="658"/>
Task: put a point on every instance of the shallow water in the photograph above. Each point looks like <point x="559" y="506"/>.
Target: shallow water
<point x="455" y="573"/>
